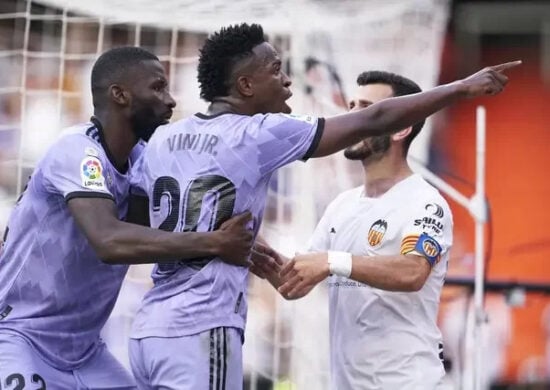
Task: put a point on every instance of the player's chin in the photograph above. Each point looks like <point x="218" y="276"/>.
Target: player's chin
<point x="286" y="108"/>
<point x="356" y="153"/>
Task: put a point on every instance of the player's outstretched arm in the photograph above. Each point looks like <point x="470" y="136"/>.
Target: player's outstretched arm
<point x="304" y="272"/>
<point x="391" y="115"/>
<point x="119" y="242"/>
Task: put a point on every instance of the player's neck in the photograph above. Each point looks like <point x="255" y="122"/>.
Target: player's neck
<point x="118" y="139"/>
<point x="229" y="104"/>
<point x="381" y="175"/>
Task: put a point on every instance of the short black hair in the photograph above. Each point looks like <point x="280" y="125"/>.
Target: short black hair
<point x="401" y="86"/>
<point x="112" y="65"/>
<point x="219" y="54"/>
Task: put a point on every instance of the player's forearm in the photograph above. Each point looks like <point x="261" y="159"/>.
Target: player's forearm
<point x="391" y="273"/>
<point x="133" y="244"/>
<point x="391" y="115"/>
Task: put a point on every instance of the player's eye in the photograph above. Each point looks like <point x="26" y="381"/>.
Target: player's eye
<point x="351" y="105"/>
<point x="159" y="86"/>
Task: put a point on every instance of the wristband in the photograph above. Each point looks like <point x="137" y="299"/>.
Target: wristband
<point x="339" y="263"/>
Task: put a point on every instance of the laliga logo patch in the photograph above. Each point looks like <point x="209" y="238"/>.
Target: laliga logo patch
<point x="92" y="173"/>
<point x="377" y="231"/>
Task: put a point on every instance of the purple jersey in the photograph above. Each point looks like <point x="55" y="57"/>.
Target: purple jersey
<point x="54" y="290"/>
<point x="197" y="173"/>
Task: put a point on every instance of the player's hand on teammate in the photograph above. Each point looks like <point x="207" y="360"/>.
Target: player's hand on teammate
<point x="266" y="262"/>
<point x="488" y="81"/>
<point x="236" y="240"/>
<point x="302" y="273"/>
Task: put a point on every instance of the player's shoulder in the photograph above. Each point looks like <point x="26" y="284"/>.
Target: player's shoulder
<point x="345" y="197"/>
<point x="73" y="143"/>
<point x="85" y="134"/>
<point x="197" y="123"/>
<point x="278" y="118"/>
<point x="428" y="196"/>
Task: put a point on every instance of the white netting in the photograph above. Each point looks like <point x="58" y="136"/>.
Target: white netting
<point x="282" y="16"/>
<point x="46" y="52"/>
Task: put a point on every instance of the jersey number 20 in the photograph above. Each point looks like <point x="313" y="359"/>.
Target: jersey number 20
<point x="223" y="195"/>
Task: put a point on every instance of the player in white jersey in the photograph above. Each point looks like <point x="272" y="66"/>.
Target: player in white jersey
<point x="199" y="171"/>
<point x="388" y="245"/>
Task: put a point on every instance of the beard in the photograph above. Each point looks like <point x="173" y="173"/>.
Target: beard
<point x="145" y="122"/>
<point x="372" y="148"/>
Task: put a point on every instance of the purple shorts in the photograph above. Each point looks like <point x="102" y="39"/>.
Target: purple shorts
<point x="211" y="360"/>
<point x="22" y="368"/>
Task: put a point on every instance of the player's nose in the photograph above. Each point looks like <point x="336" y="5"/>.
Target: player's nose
<point x="287" y="82"/>
<point x="170" y="101"/>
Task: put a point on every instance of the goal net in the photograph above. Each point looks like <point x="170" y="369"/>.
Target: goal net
<point x="47" y="48"/>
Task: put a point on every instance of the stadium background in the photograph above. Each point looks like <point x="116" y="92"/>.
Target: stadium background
<point x="46" y="52"/>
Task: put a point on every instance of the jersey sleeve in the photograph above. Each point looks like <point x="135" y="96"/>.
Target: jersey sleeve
<point x="283" y="139"/>
<point x="137" y="178"/>
<point x="74" y="168"/>
<point x="428" y="230"/>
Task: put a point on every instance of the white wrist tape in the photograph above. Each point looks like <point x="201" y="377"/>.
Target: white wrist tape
<point x="339" y="263"/>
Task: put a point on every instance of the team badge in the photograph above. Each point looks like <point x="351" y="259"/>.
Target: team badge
<point x="377" y="231"/>
<point x="91" y="172"/>
<point x="429" y="248"/>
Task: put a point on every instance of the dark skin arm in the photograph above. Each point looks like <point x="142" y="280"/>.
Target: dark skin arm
<point x="119" y="242"/>
<point x="266" y="262"/>
<point x="138" y="210"/>
<point x="395" y="114"/>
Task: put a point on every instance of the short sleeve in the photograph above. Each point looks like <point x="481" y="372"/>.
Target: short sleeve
<point x="428" y="230"/>
<point x="137" y="178"/>
<point x="283" y="139"/>
<point x="75" y="167"/>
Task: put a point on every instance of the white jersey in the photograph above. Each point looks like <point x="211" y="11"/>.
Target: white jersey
<point x="381" y="339"/>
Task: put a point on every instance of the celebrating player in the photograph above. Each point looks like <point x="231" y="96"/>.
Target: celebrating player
<point x="201" y="170"/>
<point x="59" y="277"/>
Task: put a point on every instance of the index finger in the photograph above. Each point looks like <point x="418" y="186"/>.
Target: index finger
<point x="287" y="268"/>
<point x="506" y="65"/>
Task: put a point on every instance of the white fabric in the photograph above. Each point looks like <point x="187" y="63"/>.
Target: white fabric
<point x="381" y="339"/>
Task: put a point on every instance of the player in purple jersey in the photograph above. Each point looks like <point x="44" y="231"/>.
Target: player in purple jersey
<point x="67" y="248"/>
<point x="199" y="171"/>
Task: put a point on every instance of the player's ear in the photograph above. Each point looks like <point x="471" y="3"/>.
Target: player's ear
<point x="244" y="86"/>
<point x="401" y="135"/>
<point x="119" y="94"/>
